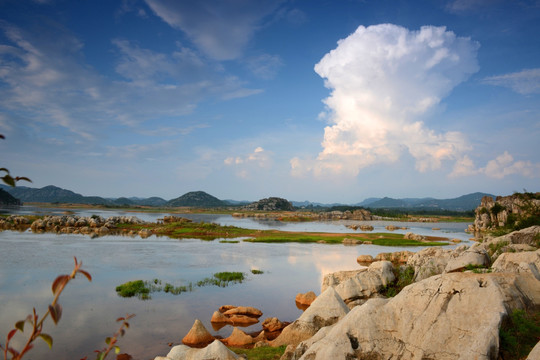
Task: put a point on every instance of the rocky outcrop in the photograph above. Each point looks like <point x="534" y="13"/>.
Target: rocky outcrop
<point x="522" y="262"/>
<point x="326" y="310"/>
<point x="239" y="338"/>
<point x="356" y="287"/>
<point x="358" y="214"/>
<point x="215" y="351"/>
<point x="270" y="204"/>
<point x="516" y="241"/>
<point x="450" y="316"/>
<point x="505" y="210"/>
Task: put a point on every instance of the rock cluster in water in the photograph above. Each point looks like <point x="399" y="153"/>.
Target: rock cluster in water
<point x="73" y="224"/>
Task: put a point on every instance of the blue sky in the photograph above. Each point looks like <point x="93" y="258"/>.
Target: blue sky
<point x="328" y="101"/>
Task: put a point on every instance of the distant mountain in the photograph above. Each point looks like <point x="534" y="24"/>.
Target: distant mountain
<point x="151" y="201"/>
<point x="462" y="203"/>
<point x="51" y="194"/>
<point x="196" y="199"/>
<point x="7" y="199"/>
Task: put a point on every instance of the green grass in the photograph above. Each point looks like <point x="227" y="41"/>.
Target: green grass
<point x="256" y="272"/>
<point x="382" y="239"/>
<point x="519" y="334"/>
<point x="404" y="276"/>
<point x="134" y="288"/>
<point x="229" y="241"/>
<point x="262" y="353"/>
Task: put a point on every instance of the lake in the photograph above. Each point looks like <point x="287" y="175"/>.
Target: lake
<point x="30" y="262"/>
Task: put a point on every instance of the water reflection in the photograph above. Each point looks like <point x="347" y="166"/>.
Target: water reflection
<point x="29" y="262"/>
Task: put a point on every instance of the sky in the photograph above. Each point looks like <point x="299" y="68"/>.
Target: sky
<point x="320" y="100"/>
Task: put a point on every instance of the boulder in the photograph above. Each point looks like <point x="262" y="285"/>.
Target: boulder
<point x="214" y="351"/>
<point x="236" y="315"/>
<point x="326" y="310"/>
<point x="416" y="237"/>
<point x="239" y="338"/>
<point x="272" y="324"/>
<point x="429" y="261"/>
<point x="362" y="285"/>
<point x="243" y="310"/>
<point x="305" y="299"/>
<point x="198" y="335"/>
<point x="400" y="257"/>
<point x="535" y="352"/>
<point x="471" y="257"/>
<point x="351" y="241"/>
<point x="449" y="316"/>
<point x="364" y="260"/>
<point x="522" y="262"/>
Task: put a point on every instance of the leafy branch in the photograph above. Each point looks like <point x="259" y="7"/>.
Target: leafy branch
<point x="111" y="341"/>
<point x="54" y="310"/>
<point x="8" y="179"/>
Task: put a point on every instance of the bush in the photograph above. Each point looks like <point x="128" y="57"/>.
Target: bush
<point x="519" y="334"/>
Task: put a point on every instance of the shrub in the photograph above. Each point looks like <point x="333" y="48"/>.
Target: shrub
<point x="519" y="334"/>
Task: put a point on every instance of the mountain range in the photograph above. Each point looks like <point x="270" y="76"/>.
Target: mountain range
<point x="54" y="194"/>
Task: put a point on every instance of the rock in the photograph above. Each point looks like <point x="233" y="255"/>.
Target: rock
<point x="503" y="211"/>
<point x="366" y="227"/>
<point x="326" y="310"/>
<point x="450" y="316"/>
<point x="365" y="284"/>
<point x="218" y="317"/>
<point x="270" y="204"/>
<point x="272" y="324"/>
<point x="241" y="320"/>
<point x="198" y="335"/>
<point x="144" y="233"/>
<point x="305" y="299"/>
<point x="214" y="351"/>
<point x="535" y="352"/>
<point x="400" y="257"/>
<point x="364" y="260"/>
<point x="460" y="260"/>
<point x="350" y="241"/>
<point x="522" y="262"/>
<point x="429" y="261"/>
<point x="239" y="338"/>
<point x="416" y="237"/>
<point x="243" y="310"/>
<point x="392" y="227"/>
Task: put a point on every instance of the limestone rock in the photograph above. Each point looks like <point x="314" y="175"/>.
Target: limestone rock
<point x="535" y="352"/>
<point x="416" y="237"/>
<point x="236" y="315"/>
<point x="239" y="338"/>
<point x="198" y="335"/>
<point x="400" y="257"/>
<point x="326" y="310"/>
<point x="518" y="263"/>
<point x="459" y="260"/>
<point x="305" y="299"/>
<point x="214" y="351"/>
<point x="449" y="316"/>
<point x="429" y="261"/>
<point x="361" y="285"/>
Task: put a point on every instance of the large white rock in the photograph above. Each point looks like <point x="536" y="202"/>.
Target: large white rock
<point x="214" y="351"/>
<point x="528" y="261"/>
<point x="535" y="352"/>
<point x="449" y="316"/>
<point x="355" y="287"/>
<point x="326" y="310"/>
<point x="460" y="260"/>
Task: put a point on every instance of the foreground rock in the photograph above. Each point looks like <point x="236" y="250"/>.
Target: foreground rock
<point x="356" y="287"/>
<point x="450" y="316"/>
<point x="326" y="310"/>
<point x="305" y="299"/>
<point x="214" y="351"/>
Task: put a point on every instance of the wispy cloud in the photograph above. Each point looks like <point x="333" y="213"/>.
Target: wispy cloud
<point x="47" y="83"/>
<point x="264" y="66"/>
<point x="504" y="165"/>
<point x="524" y="82"/>
<point x="465" y="6"/>
<point x="243" y="165"/>
<point x="219" y="28"/>
<point x="384" y="79"/>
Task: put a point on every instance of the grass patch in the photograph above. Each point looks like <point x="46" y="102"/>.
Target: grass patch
<point x="134" y="288"/>
<point x="478" y="269"/>
<point x="229" y="241"/>
<point x="404" y="276"/>
<point x="256" y="272"/>
<point x="384" y="239"/>
<point x="519" y="334"/>
<point x="262" y="353"/>
<point x="223" y="279"/>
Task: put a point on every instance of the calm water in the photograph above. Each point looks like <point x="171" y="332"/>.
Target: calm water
<point x="29" y="262"/>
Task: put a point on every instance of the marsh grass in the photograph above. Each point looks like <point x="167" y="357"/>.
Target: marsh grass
<point x="404" y="275"/>
<point x="262" y="353"/>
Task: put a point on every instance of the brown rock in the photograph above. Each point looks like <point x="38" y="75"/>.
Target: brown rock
<point x="272" y="324"/>
<point x="224" y="308"/>
<point x="243" y="310"/>
<point x="239" y="338"/>
<point x="242" y="320"/>
<point x="198" y="336"/>
<point x="218" y="317"/>
<point x="364" y="259"/>
<point x="306" y="299"/>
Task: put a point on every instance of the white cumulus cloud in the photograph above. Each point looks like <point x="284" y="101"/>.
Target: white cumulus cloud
<point x="383" y="80"/>
<point x="504" y="165"/>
